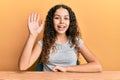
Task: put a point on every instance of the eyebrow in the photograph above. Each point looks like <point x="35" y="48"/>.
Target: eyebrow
<point x="59" y="15"/>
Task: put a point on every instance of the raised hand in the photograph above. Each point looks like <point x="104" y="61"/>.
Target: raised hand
<point x="33" y="24"/>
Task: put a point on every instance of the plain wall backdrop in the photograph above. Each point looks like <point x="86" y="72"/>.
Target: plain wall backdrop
<point x="99" y="22"/>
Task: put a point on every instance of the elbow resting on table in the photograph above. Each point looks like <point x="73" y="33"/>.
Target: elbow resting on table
<point x="23" y="68"/>
<point x="99" y="68"/>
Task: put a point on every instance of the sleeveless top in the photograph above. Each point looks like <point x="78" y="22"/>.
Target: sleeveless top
<point x="64" y="55"/>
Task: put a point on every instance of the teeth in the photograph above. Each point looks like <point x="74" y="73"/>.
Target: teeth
<point x="61" y="27"/>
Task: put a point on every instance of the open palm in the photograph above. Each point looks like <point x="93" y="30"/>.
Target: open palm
<point x="33" y="24"/>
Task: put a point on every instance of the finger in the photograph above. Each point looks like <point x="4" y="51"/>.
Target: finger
<point x="41" y="27"/>
<point x="38" y="17"/>
<point x="42" y="23"/>
<point x="28" y="19"/>
<point x="34" y="17"/>
<point x="54" y="69"/>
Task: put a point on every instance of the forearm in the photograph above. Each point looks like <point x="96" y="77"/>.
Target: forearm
<point x="26" y="54"/>
<point x="89" y="67"/>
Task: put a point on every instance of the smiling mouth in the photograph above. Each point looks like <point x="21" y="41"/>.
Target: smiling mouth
<point x="61" y="28"/>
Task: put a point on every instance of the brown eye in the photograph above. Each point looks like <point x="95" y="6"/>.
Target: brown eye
<point x="56" y="17"/>
<point x="66" y="18"/>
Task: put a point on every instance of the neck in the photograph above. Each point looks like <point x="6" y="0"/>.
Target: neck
<point x="61" y="38"/>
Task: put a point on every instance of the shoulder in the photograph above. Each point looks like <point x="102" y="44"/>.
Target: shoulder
<point x="40" y="42"/>
<point x="80" y="41"/>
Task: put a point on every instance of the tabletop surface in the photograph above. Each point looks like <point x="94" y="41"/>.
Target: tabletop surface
<point x="34" y="75"/>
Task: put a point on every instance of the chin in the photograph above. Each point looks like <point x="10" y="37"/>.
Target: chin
<point x="61" y="32"/>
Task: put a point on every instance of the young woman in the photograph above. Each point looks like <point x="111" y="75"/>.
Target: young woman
<point x="61" y="43"/>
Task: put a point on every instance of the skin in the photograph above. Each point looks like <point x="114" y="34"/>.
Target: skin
<point x="61" y="21"/>
<point x="61" y="24"/>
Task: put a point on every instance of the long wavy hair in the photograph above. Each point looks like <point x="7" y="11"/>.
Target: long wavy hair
<point x="49" y="36"/>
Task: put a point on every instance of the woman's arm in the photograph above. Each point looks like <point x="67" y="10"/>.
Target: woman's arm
<point x="30" y="54"/>
<point x="92" y="65"/>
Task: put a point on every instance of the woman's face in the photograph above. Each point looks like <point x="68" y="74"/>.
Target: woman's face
<point x="61" y="20"/>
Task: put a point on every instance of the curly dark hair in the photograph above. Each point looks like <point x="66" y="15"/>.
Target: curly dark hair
<point x="49" y="35"/>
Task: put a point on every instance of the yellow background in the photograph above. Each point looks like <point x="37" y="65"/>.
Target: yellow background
<point x="99" y="21"/>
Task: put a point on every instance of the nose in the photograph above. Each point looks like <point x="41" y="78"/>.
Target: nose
<point x="61" y="20"/>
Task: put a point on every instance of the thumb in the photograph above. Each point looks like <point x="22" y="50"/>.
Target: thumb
<point x="41" y="26"/>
